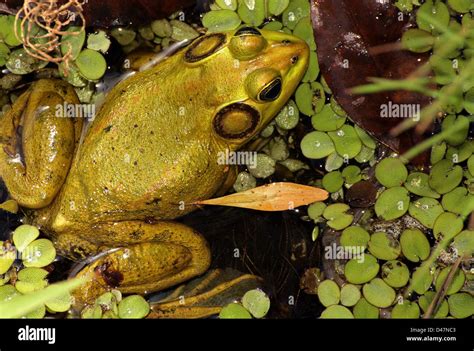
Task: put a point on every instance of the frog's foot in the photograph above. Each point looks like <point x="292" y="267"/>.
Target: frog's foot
<point x="204" y="296"/>
<point x="154" y="257"/>
<point x="36" y="144"/>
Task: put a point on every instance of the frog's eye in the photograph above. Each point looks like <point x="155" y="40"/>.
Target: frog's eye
<point x="247" y="43"/>
<point x="236" y="121"/>
<point x="272" y="91"/>
<point x="204" y="47"/>
<point x="263" y="85"/>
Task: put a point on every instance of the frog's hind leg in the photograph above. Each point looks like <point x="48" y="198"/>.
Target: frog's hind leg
<point x="153" y="257"/>
<point x="36" y="144"/>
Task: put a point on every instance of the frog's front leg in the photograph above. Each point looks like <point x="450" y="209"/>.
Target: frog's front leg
<point x="36" y="144"/>
<point x="151" y="257"/>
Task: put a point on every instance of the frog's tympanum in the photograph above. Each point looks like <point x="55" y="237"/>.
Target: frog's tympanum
<point x="151" y="152"/>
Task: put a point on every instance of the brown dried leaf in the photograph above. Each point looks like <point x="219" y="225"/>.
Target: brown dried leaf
<point x="271" y="197"/>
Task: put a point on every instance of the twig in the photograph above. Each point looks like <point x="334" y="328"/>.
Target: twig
<point x="441" y="293"/>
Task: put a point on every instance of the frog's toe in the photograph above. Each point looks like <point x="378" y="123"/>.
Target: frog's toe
<point x="204" y="296"/>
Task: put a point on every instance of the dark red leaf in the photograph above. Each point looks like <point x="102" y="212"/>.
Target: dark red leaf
<point x="116" y="12"/>
<point x="347" y="30"/>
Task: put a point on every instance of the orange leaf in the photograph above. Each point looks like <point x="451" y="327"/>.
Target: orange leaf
<point x="271" y="197"/>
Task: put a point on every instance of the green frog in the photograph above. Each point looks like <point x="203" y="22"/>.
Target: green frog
<point x="148" y="155"/>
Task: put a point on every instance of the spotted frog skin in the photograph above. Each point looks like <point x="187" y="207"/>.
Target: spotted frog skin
<point x="151" y="152"/>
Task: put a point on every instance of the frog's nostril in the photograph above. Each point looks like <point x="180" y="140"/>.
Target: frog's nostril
<point x="294" y="59"/>
<point x="286" y="42"/>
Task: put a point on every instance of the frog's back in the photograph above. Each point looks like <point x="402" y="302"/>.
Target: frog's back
<point x="147" y="152"/>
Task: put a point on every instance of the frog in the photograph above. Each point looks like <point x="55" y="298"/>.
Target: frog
<point x="113" y="189"/>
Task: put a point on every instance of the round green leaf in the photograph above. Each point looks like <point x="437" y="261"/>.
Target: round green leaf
<point x="329" y="293"/>
<point x="360" y="271"/>
<point x="415" y="245"/>
<point x="316" y="145"/>
<point x="407" y="309"/>
<point x="256" y="302"/>
<point x="91" y="64"/>
<point x="365" y="310"/>
<point x="445" y="176"/>
<point x="378" y="293"/>
<point x="395" y="273"/>
<point x="391" y="172"/>
<point x="234" y="311"/>
<point x="384" y="246"/>
<point x="426" y="210"/>
<point x="39" y="253"/>
<point x="350" y="295"/>
<point x="392" y="203"/>
<point x="133" y="307"/>
<point x="337" y="312"/>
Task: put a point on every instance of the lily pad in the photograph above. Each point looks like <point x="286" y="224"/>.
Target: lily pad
<point x="73" y="42"/>
<point x="24" y="235"/>
<point x="378" y="293"/>
<point x="328" y="293"/>
<point x="39" y="253"/>
<point x="425" y="300"/>
<point x="234" y="311"/>
<point x="351" y="174"/>
<point x="304" y="30"/>
<point x="456" y="284"/>
<point x="316" y="210"/>
<point x="426" y="210"/>
<point x="288" y="117"/>
<point x="392" y="203"/>
<point x="310" y="98"/>
<point x="447" y="225"/>
<point x="365" y="310"/>
<point x="333" y="162"/>
<point x="457" y="200"/>
<point x="337" y="217"/>
<point x="133" y="307"/>
<point x="459" y="136"/>
<point x="252" y="12"/>
<point x="327" y="120"/>
<point x="395" y="274"/>
<point x="91" y="64"/>
<point x="391" y="172"/>
<point x="437" y="152"/>
<point x="346" y="141"/>
<point x="354" y="236"/>
<point x="221" y="21"/>
<point x="333" y="181"/>
<point x="461" y="305"/>
<point x="276" y="7"/>
<point x="407" y="309"/>
<point x="421" y="281"/>
<point x="337" y="312"/>
<point x="360" y="271"/>
<point x="464" y="243"/>
<point x="415" y="245"/>
<point x="445" y="176"/>
<point x="316" y="145"/>
<point x="256" y="302"/>
<point x="384" y="246"/>
<point x="350" y="295"/>
<point x="7" y="256"/>
<point x="296" y="10"/>
<point x="20" y="62"/>
<point x="418" y="184"/>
